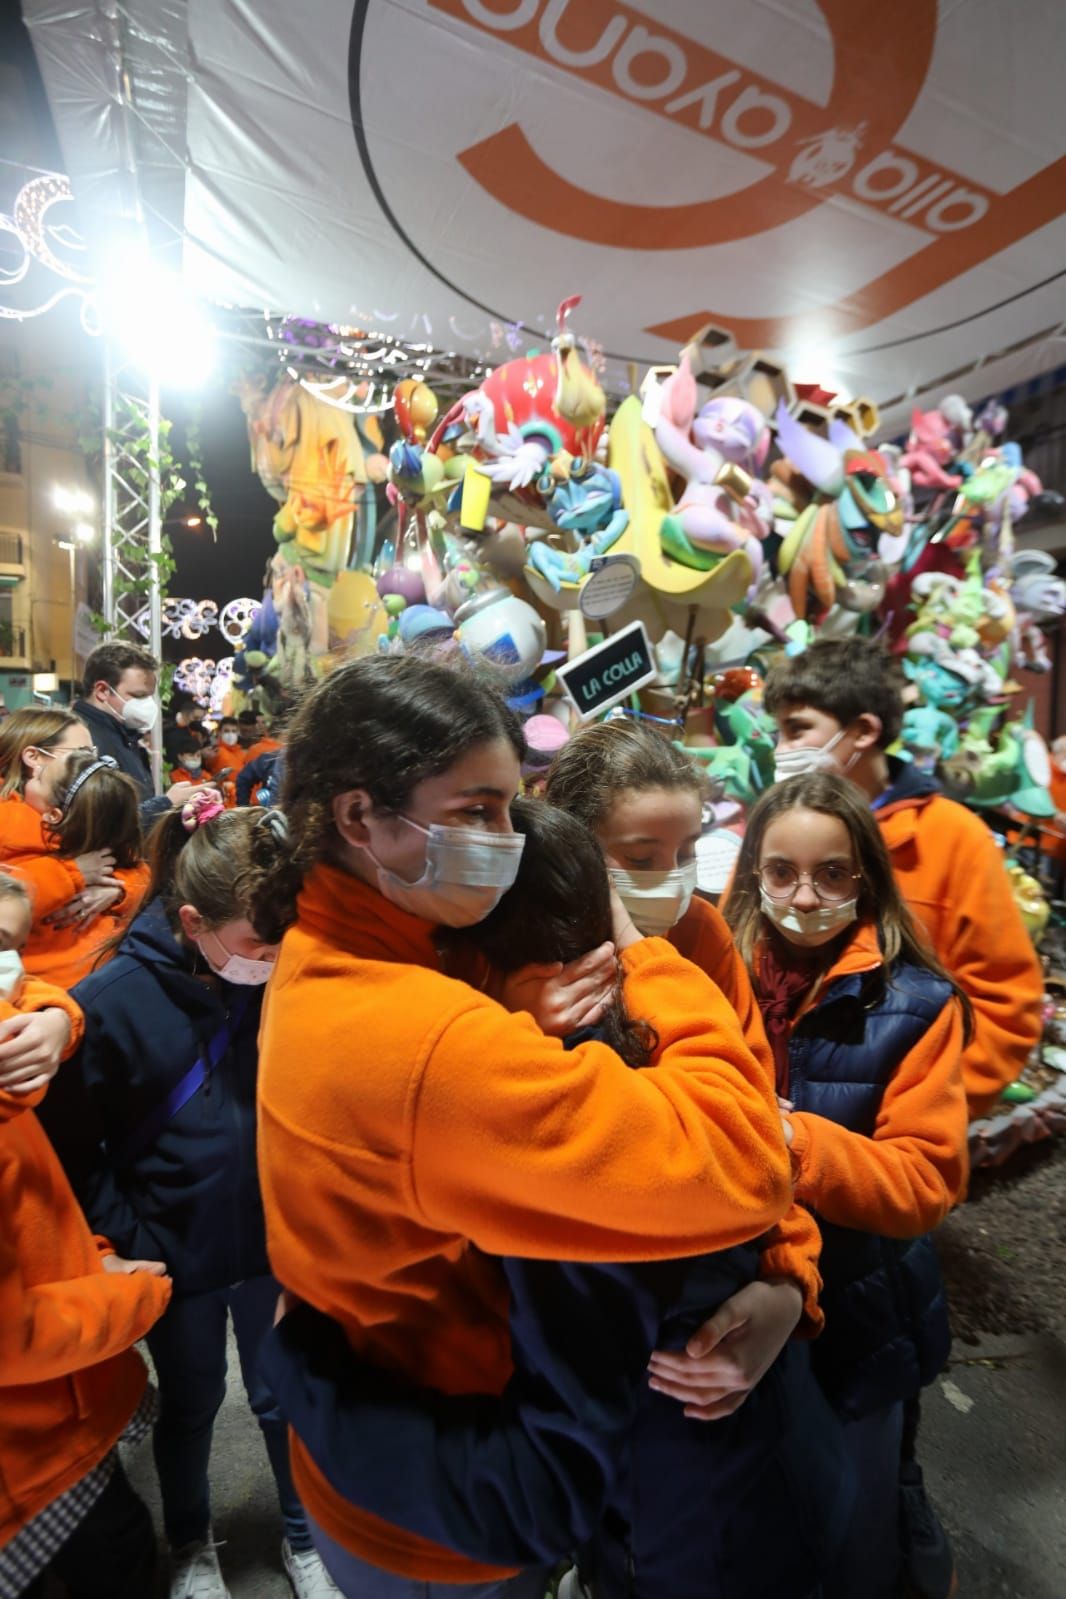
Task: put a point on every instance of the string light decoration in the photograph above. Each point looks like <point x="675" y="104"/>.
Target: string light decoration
<point x="41" y="241"/>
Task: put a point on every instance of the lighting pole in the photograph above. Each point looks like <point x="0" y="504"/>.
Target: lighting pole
<point x="74" y="502"/>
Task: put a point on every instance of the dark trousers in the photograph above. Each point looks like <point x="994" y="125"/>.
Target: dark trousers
<point x="871" y="1565"/>
<point x="111" y="1554"/>
<point x="188" y="1348"/>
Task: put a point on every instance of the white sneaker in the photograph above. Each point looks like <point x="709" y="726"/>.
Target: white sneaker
<point x="195" y="1572"/>
<point x="571" y="1586"/>
<point x="309" y="1577"/>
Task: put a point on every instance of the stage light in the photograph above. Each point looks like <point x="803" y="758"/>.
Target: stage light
<point x="154" y="321"/>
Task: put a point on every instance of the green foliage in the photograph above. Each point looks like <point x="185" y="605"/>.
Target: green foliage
<point x="194" y="456"/>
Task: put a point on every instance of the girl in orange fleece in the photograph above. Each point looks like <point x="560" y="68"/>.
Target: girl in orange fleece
<point x="421" y="1117"/>
<point x="35" y="746"/>
<point x="98" y="809"/>
<point x="867" y="1031"/>
<point x="70" y="1312"/>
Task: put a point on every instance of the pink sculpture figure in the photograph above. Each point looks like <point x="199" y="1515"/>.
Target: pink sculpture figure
<point x="719" y="509"/>
<point x="930" y="449"/>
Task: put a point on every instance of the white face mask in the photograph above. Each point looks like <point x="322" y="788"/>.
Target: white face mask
<point x="237" y="968"/>
<point x="466" y="874"/>
<point x="801" y="927"/>
<point x="811" y="758"/>
<point x="190" y="765"/>
<point x="228" y="737"/>
<point x="655" y="900"/>
<point x="140" y="714"/>
<point x="11" y="973"/>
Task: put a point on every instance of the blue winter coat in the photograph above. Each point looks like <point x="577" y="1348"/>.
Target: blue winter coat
<point x="886" y="1320"/>
<point x="191" y="1198"/>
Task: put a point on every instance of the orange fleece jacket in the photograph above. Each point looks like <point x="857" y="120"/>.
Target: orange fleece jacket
<point x="794" y="1246"/>
<point x="26" y="853"/>
<point x="69" y="1377"/>
<point x="902" y="1181"/>
<point x="423" y="1119"/>
<point x="64" y="955"/>
<point x="951" y="874"/>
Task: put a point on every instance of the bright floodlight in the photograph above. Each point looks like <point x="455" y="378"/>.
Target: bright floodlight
<point x="72" y="502"/>
<point x="84" y="532"/>
<point x="162" y="330"/>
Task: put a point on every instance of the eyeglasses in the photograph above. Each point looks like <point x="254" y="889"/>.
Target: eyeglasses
<point x="832" y="882"/>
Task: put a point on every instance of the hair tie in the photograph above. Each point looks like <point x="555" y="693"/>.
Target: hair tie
<point x="204" y="806"/>
<point x="276" y="821"/>
<point x="99" y="765"/>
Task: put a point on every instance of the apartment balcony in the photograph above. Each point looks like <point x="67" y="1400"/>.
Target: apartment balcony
<point x="13" y="646"/>
<point x="12" y="559"/>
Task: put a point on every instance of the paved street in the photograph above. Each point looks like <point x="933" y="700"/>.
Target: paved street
<point x="993" y="1445"/>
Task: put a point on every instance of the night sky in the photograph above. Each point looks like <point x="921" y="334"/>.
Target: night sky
<point x="234" y="565"/>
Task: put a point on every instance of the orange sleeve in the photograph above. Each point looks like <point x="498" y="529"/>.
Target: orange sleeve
<point x="903" y="1180"/>
<point x="796" y="1243"/>
<point x="134" y="880"/>
<point x="39" y="995"/>
<point x="709" y="945"/>
<point x="50" y="1330"/>
<point x="793" y="1249"/>
<point x="991" y="956"/>
<point x="52" y="882"/>
<point x="529" y="1149"/>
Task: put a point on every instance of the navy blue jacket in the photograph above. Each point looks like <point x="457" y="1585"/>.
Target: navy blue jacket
<point x="191" y="1198"/>
<point x="123" y="744"/>
<point x="579" y="1450"/>
<point x="262" y="773"/>
<point x="886" y="1322"/>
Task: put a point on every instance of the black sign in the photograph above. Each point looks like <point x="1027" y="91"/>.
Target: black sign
<point x="609" y="672"/>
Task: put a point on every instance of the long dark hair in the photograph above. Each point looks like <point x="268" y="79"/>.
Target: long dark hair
<point x="879" y="899"/>
<point x="558" y="909"/>
<point x="104" y="813"/>
<point x="382" y="724"/>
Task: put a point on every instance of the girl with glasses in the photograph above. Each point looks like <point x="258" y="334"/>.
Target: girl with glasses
<point x="866" y="1029"/>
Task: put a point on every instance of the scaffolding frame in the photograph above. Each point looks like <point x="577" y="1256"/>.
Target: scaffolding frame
<point x="133" y="524"/>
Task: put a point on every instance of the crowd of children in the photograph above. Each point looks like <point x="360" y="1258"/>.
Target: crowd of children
<point x="595" y="1220"/>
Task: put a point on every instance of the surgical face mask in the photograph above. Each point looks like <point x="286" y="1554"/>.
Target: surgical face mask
<point x="228" y="737"/>
<point x="192" y="764"/>
<point x="811" y="758"/>
<point x="803" y="927"/>
<point x="467" y="873"/>
<point x="11" y="973"/>
<point x="140" y="714"/>
<point x="655" y="900"/>
<point x="237" y="968"/>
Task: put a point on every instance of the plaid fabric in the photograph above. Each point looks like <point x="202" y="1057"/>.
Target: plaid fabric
<point x="31" y="1550"/>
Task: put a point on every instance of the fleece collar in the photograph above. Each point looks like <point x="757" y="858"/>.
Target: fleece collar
<point x="346" y="912"/>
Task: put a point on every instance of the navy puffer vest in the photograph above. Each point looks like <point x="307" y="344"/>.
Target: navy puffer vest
<point x="886" y="1322"/>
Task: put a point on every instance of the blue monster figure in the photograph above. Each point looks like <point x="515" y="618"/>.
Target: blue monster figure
<point x="588" y="504"/>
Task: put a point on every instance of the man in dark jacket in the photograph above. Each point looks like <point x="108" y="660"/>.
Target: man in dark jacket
<point x="119" y="707"/>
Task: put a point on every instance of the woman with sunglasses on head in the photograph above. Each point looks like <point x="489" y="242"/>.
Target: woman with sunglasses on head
<point x="35" y="746"/>
<point x="154" y="1121"/>
<point x="867" y="1030"/>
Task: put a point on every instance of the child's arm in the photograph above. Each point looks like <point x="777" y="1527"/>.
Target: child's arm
<point x="903" y="1180"/>
<point x="50" y="1330"/>
<point x="993" y="960"/>
<point x="53" y="882"/>
<point x="45" y="1029"/>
